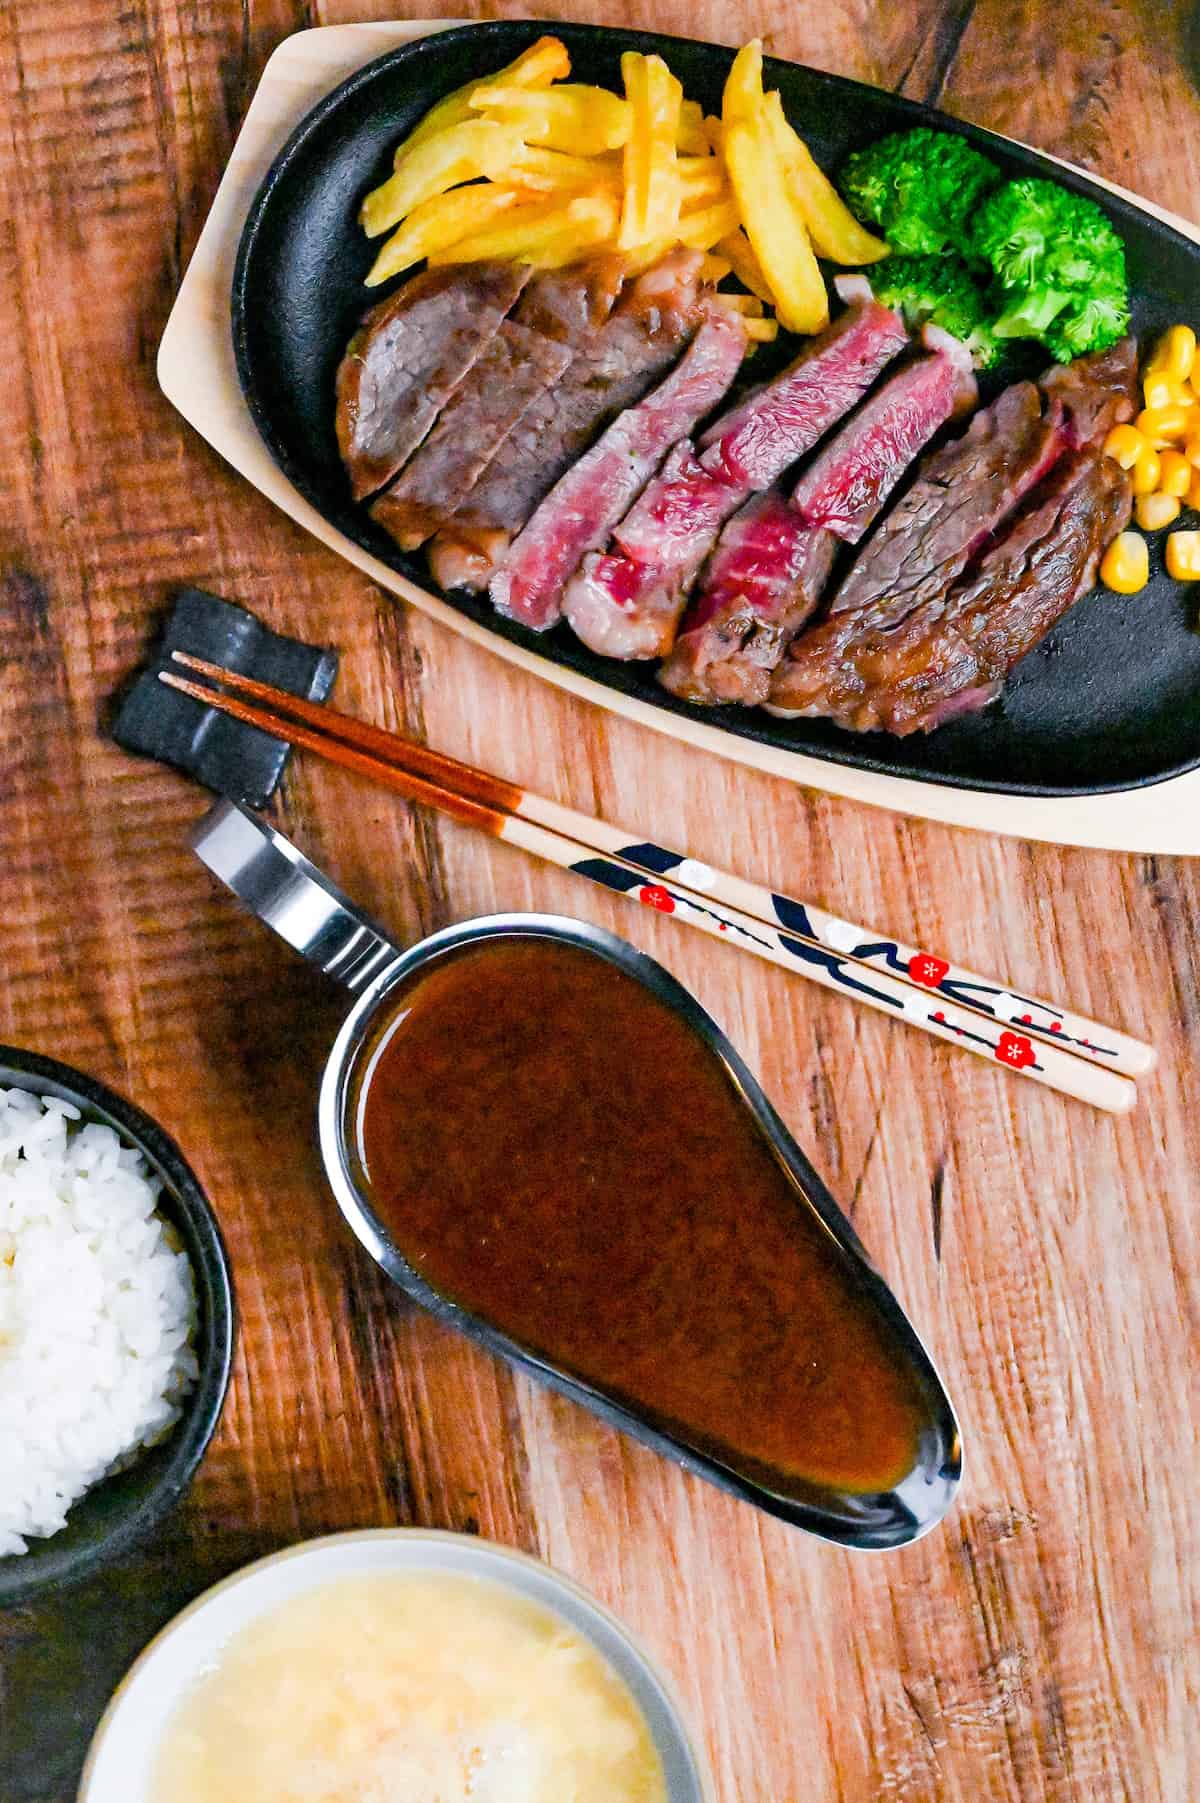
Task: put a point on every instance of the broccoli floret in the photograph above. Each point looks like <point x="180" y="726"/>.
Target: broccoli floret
<point x="1060" y="266"/>
<point x="943" y="292"/>
<point x="920" y="187"/>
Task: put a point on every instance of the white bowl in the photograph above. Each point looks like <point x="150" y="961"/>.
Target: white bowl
<point x="124" y="1749"/>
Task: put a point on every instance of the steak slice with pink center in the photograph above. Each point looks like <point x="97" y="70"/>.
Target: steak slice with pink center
<point x="961" y="494"/>
<point x="612" y="369"/>
<point x="845" y="488"/>
<point x="626" y="603"/>
<point x="951" y="655"/>
<point x="765" y="578"/>
<point x="586" y="502"/>
<point x="407" y="358"/>
<point x="770" y="429"/>
<point x="675" y="523"/>
<point x="763" y="581"/>
<point x="962" y="504"/>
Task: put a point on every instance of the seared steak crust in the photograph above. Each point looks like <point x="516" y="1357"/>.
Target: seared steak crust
<point x="407" y="358"/>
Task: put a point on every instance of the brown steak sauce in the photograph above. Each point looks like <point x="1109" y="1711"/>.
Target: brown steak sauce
<point x="554" y="1148"/>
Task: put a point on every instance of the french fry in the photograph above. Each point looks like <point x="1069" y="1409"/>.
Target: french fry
<point x="691" y="137"/>
<point x="459" y="154"/>
<point x="547" y="232"/>
<point x="762" y="331"/>
<point x="650" y="208"/>
<point x="704" y="228"/>
<point x="634" y="262"/>
<point x="747" y="304"/>
<point x="536" y="167"/>
<point x="738" y="248"/>
<point x="574" y="117"/>
<point x="774" y="224"/>
<point x="537" y="67"/>
<point x="714" y="269"/>
<point x="700" y="179"/>
<point x="834" y="230"/>
<point x="441" y="221"/>
<point x="743" y="95"/>
<point x="712" y="131"/>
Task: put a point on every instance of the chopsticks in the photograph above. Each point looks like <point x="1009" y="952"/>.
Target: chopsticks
<point x="1054" y="1046"/>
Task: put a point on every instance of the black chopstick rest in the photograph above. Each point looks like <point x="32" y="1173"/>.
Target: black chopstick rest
<point x="233" y="760"/>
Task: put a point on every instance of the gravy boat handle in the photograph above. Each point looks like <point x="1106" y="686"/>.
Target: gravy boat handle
<point x="290" y="895"/>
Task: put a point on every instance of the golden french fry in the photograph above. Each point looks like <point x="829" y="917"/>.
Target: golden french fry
<point x="747" y="304"/>
<point x="561" y="229"/>
<point x="536" y="167"/>
<point x="650" y="208"/>
<point x="704" y="228"/>
<point x="762" y="331"/>
<point x="441" y="221"/>
<point x="700" y="179"/>
<point x="573" y="116"/>
<point x="712" y="131"/>
<point x="773" y="224"/>
<point x="691" y="137"/>
<point x="743" y="94"/>
<point x="537" y="67"/>
<point x="459" y="154"/>
<point x="647" y="255"/>
<point x="834" y="230"/>
<point x="714" y="269"/>
<point x="738" y="248"/>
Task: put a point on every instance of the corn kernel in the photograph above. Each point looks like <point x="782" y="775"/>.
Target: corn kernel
<point x="1174" y="473"/>
<point x="1146" y="472"/>
<point x="1191" y="450"/>
<point x="1163" y="390"/>
<point x="1158" y="387"/>
<point x="1193" y="493"/>
<point x="1126" y="564"/>
<point x="1153" y="512"/>
<point x="1164" y="423"/>
<point x="1126" y="444"/>
<point x="1183" y="556"/>
<point x="1177" y="349"/>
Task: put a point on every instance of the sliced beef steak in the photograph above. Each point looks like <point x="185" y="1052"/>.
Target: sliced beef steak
<point x="626" y="603"/>
<point x="567" y="304"/>
<point x="585" y="503"/>
<point x="764" y="580"/>
<point x="960" y="495"/>
<point x="408" y="357"/>
<point x="845" y="488"/>
<point x="1095" y="393"/>
<point x="635" y="596"/>
<point x="530" y="351"/>
<point x="952" y="654"/>
<point x="612" y="369"/>
<point x="774" y="426"/>
<point x="516" y="367"/>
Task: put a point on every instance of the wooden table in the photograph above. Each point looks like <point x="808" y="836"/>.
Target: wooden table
<point x="1040" y="1646"/>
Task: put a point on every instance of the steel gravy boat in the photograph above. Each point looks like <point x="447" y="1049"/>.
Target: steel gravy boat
<point x="298" y="902"/>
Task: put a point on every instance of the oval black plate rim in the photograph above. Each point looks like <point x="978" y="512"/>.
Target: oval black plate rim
<point x="431" y="44"/>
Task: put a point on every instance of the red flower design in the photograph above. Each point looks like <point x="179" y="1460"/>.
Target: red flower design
<point x="926" y="970"/>
<point x="1015" y="1049"/>
<point x="653" y="895"/>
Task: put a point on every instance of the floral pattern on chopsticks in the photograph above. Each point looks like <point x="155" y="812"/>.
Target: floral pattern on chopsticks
<point x="923" y="968"/>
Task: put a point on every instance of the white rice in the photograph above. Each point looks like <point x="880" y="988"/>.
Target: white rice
<point x="97" y="1313"/>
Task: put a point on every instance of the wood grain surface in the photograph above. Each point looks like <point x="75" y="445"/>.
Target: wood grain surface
<point x="1043" y="1644"/>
